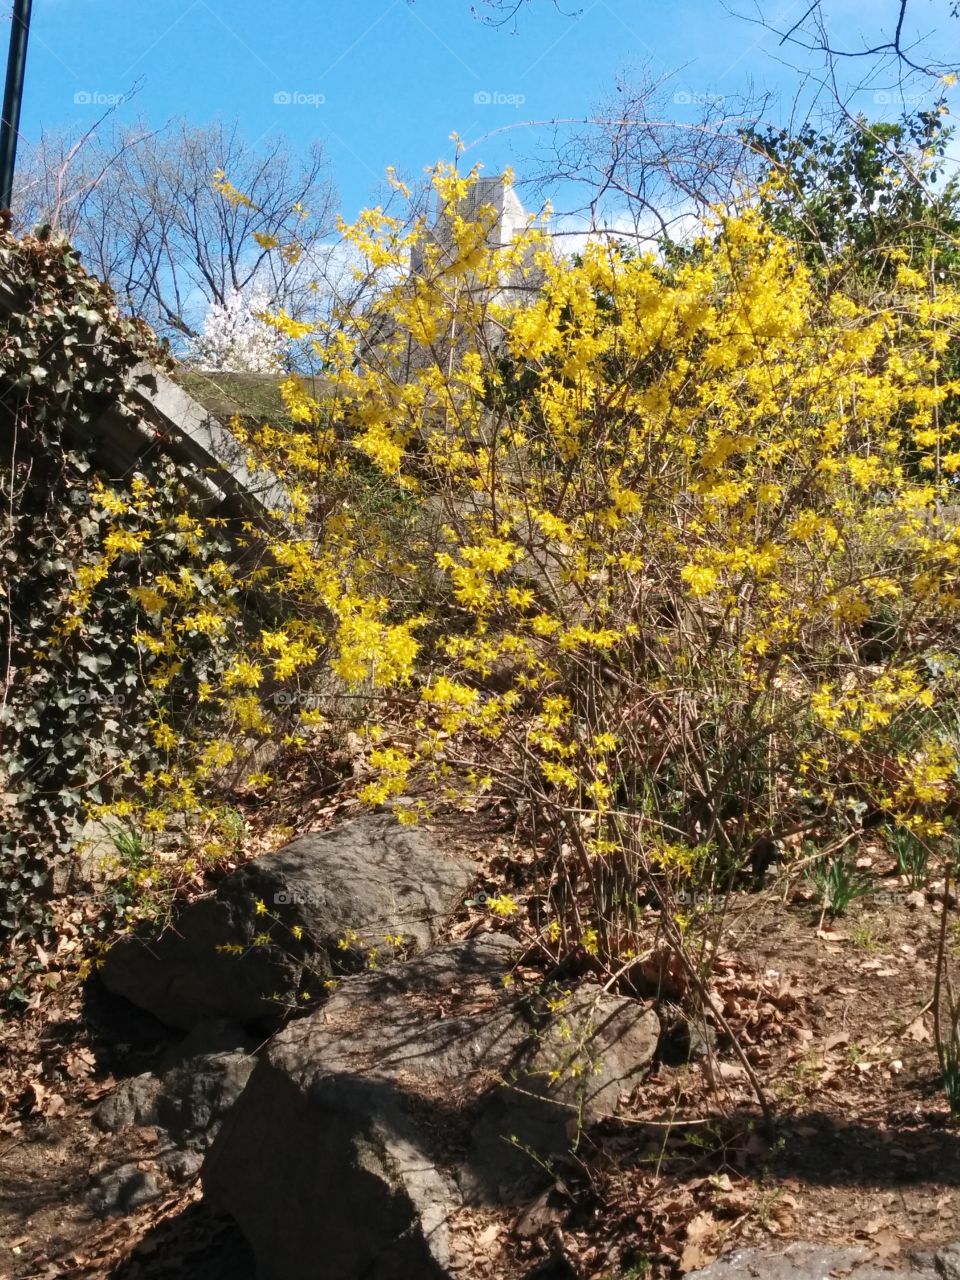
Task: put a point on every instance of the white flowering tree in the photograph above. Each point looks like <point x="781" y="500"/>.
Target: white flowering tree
<point x="235" y="339"/>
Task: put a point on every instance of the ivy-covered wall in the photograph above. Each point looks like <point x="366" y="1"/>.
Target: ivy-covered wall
<point x="81" y="691"/>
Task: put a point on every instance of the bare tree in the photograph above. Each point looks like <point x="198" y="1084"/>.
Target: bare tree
<point x="902" y="37"/>
<point x="642" y="173"/>
<point x="149" y="213"/>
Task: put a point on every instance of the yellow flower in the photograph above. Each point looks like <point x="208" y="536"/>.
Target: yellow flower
<point x="164" y="737"/>
<point x="121" y="542"/>
<point x="204" y="622"/>
<point x="700" y="578"/>
<point x="502" y="905"/>
<point x="242" y="674"/>
<point x="148" y="599"/>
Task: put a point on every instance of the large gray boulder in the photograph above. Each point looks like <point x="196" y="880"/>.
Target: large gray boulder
<point x="803" y="1260"/>
<point x="279" y="927"/>
<point x="412" y="1093"/>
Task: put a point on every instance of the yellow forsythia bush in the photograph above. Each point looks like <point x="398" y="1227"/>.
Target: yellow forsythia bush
<point x="667" y="551"/>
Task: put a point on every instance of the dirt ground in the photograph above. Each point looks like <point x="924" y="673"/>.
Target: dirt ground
<point x="835" y="1021"/>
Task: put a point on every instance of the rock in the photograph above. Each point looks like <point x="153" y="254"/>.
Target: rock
<point x="133" y="1101"/>
<point x="366" y="1125"/>
<point x="195" y="1096"/>
<point x="916" y="900"/>
<point x="93" y="851"/>
<point x="209" y="1036"/>
<point x="946" y="1262"/>
<point x="701" y="1039"/>
<point x="325" y="900"/>
<point x="592" y="1050"/>
<point x="120" y="1190"/>
<point x="181" y="1165"/>
<point x="803" y="1261"/>
<point x="686" y="1038"/>
<point x="195" y="1086"/>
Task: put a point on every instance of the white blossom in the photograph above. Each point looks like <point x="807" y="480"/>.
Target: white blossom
<point x="235" y="339"/>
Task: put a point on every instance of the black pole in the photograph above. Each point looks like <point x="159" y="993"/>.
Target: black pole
<point x="12" y="98"/>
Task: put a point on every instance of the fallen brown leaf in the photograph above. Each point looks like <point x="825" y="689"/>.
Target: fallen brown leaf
<point x="886" y="1244"/>
<point x="918" y="1030"/>
<point x="700" y="1227"/>
<point x="694" y="1257"/>
<point x="489" y="1235"/>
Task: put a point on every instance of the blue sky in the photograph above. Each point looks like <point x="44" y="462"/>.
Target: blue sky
<point x="385" y="82"/>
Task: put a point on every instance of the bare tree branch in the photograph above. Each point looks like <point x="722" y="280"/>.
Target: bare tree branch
<point x="144" y="211"/>
<point x="810" y="30"/>
<point x="644" y="174"/>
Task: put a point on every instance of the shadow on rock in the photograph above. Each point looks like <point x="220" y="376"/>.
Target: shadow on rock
<point x="197" y="1244"/>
